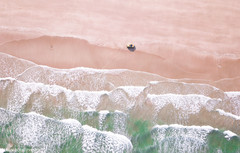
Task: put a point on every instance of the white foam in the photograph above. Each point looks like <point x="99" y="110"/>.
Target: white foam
<point x="119" y="99"/>
<point x="120" y="137"/>
<point x="2" y="150"/>
<point x="92" y="70"/>
<point x="35" y="85"/>
<point x="87" y="78"/>
<point x="120" y="122"/>
<point x="191" y="102"/>
<point x="179" y="126"/>
<point x="88" y="99"/>
<point x="39" y="131"/>
<point x="229" y="134"/>
<point x="133" y="91"/>
<point x="21" y="92"/>
<point x="102" y="117"/>
<point x="104" y="112"/>
<point x="71" y="121"/>
<point x="233" y="94"/>
<point x="99" y="140"/>
<point x="7" y="79"/>
<point x="186" y="105"/>
<point x="118" y="111"/>
<point x="154" y="82"/>
<point x="222" y="112"/>
<point x="179" y="138"/>
<point x="35" y="114"/>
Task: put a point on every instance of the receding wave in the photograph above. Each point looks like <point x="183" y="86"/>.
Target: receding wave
<point x="11" y="66"/>
<point x="89" y="79"/>
<point x="184" y="105"/>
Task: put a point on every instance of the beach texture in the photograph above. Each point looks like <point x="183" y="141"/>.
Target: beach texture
<point x="68" y="83"/>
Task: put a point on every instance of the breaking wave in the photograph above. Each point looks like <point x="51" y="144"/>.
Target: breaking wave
<point x="45" y="109"/>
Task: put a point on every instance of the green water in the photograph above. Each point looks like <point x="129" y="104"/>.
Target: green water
<point x="140" y="132"/>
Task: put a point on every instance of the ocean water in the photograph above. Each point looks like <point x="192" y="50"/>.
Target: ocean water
<point x="88" y="110"/>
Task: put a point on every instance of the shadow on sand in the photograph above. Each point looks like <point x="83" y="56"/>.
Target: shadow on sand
<point x="132" y="49"/>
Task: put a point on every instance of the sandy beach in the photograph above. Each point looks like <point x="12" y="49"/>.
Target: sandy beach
<point x="177" y="39"/>
<point x="68" y="82"/>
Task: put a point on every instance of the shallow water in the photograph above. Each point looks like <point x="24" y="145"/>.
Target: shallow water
<point x="89" y="110"/>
